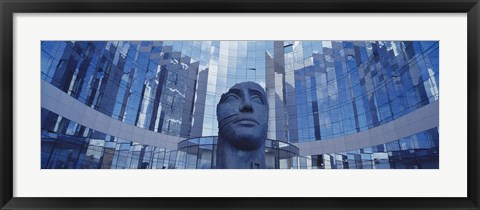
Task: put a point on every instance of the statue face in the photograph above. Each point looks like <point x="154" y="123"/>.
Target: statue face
<point x="242" y="115"/>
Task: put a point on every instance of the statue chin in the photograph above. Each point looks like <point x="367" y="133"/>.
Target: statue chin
<point x="243" y="140"/>
<point x="246" y="142"/>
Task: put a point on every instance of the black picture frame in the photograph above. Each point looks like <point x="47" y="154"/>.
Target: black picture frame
<point x="9" y="7"/>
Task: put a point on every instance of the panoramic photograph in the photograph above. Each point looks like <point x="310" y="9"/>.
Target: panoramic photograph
<point x="240" y="104"/>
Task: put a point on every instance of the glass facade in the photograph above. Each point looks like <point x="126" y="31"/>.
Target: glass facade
<point x="317" y="90"/>
<point x="200" y="153"/>
<point x="411" y="152"/>
<point x="66" y="147"/>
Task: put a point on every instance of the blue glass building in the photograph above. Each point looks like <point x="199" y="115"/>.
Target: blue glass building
<point x="151" y="104"/>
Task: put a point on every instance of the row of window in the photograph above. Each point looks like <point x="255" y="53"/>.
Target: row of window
<point x="62" y="148"/>
<point x="317" y="89"/>
<point x="419" y="151"/>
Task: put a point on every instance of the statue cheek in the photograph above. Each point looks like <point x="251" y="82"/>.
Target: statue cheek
<point x="225" y="110"/>
<point x="263" y="110"/>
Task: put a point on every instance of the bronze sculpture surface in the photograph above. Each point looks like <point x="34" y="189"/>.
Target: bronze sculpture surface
<point x="242" y="115"/>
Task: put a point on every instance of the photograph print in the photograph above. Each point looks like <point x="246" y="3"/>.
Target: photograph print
<point x="240" y="104"/>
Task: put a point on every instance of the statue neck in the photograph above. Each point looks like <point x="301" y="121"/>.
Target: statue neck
<point x="229" y="157"/>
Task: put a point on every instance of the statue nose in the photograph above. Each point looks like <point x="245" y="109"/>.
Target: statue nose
<point x="246" y="106"/>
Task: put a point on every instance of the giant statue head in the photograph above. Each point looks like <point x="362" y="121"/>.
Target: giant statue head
<point x="242" y="115"/>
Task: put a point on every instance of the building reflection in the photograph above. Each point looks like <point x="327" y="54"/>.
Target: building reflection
<point x="317" y="90"/>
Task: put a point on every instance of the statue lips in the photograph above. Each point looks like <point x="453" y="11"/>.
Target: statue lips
<point x="246" y="122"/>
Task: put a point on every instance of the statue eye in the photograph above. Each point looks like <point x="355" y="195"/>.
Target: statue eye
<point x="230" y="98"/>
<point x="257" y="99"/>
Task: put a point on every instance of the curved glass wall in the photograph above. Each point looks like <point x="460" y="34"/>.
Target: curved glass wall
<point x="69" y="145"/>
<point x="200" y="153"/>
<point x="319" y="89"/>
<point x="419" y="151"/>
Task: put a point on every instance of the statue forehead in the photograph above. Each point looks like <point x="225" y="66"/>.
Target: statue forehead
<point x="248" y="85"/>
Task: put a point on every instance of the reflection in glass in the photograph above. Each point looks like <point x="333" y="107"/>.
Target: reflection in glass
<point x="318" y="90"/>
